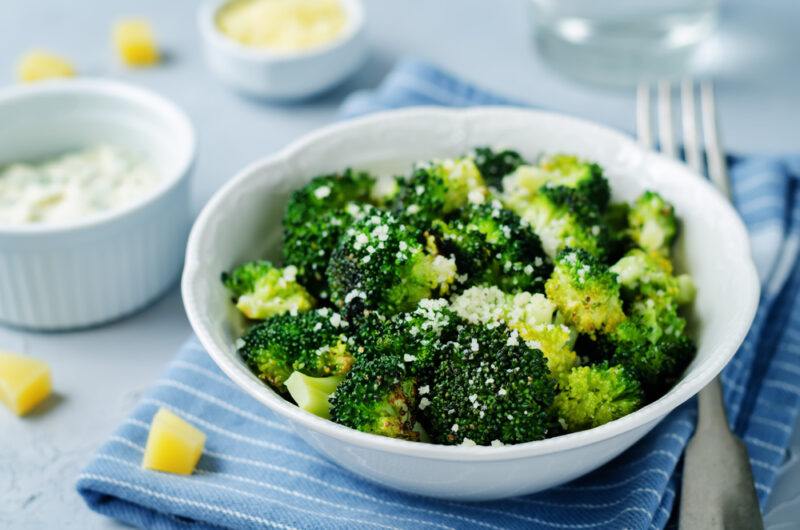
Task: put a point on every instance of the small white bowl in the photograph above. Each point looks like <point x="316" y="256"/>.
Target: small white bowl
<point x="243" y="221"/>
<point x="81" y="273"/>
<point x="283" y="75"/>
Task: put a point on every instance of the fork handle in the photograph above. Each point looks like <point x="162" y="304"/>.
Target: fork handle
<point x="709" y="406"/>
<point x="718" y="490"/>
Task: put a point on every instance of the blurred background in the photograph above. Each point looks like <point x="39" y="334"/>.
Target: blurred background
<point x="754" y="56"/>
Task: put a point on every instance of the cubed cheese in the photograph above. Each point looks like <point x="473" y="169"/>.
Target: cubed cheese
<point x="38" y="65"/>
<point x="24" y="382"/>
<point x="135" y="42"/>
<point x="173" y="445"/>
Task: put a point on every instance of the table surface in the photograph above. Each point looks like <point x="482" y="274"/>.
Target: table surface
<point x="100" y="373"/>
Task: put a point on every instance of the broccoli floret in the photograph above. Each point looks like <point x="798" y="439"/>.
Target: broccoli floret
<point x="556" y="343"/>
<point x="325" y="193"/>
<point x="526" y="310"/>
<point x="487" y="388"/>
<point x="313" y="343"/>
<point x="501" y="362"/>
<point x="615" y="219"/>
<point x="584" y="178"/>
<point x="653" y="224"/>
<point x="262" y="290"/>
<point x="581" y="180"/>
<point x="492" y="245"/>
<point x="414" y="337"/>
<point x="378" y="396"/>
<point x="589" y="396"/>
<point x="380" y="264"/>
<point x="562" y="220"/>
<point x="528" y="316"/>
<point x="310" y="247"/>
<point x="437" y="188"/>
<point x="649" y="274"/>
<point x="312" y="393"/>
<point x="586" y="292"/>
<point x="316" y="217"/>
<point x="494" y="165"/>
<point x="652" y="344"/>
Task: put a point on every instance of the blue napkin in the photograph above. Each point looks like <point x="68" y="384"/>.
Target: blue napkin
<point x="257" y="473"/>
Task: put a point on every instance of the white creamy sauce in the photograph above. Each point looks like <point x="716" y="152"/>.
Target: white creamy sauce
<point x="73" y="186"/>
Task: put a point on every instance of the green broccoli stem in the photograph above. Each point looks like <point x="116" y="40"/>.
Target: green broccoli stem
<point x="311" y="393"/>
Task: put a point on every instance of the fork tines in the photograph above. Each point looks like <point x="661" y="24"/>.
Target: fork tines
<point x="691" y="121"/>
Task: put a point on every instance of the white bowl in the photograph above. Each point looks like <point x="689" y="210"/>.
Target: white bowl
<point x="76" y="274"/>
<point x="278" y="74"/>
<point x="242" y="221"/>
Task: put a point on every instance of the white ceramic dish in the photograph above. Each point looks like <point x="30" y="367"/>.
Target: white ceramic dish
<point x="283" y="75"/>
<point x="242" y="221"/>
<point x="60" y="276"/>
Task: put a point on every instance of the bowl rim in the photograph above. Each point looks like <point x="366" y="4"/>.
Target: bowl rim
<point x="647" y="415"/>
<point x="156" y="103"/>
<point x="206" y="21"/>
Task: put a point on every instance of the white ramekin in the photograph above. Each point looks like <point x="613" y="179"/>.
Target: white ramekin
<point x="243" y="221"/>
<point x="82" y="273"/>
<point x="283" y="75"/>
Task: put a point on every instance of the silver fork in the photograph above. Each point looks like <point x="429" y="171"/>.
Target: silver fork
<point x="718" y="490"/>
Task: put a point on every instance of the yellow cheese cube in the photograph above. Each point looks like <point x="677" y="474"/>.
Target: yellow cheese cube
<point x="173" y="445"/>
<point x="38" y="65"/>
<point x="24" y="382"/>
<point x="135" y="42"/>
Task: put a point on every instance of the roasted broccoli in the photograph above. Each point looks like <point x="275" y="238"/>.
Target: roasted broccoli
<point x="380" y="264"/>
<point x="564" y="198"/>
<point x="316" y="217"/>
<point x="261" y="290"/>
<point x="414" y="337"/>
<point x="652" y="221"/>
<point x="555" y="341"/>
<point x="583" y="181"/>
<point x="393" y="354"/>
<point x="649" y="274"/>
<point x="314" y="343"/>
<point x="589" y="396"/>
<point x="652" y="344"/>
<point x="494" y="165"/>
<point x="615" y="218"/>
<point x="442" y="308"/>
<point x="586" y="292"/>
<point x="493" y="245"/>
<point x="487" y="388"/>
<point x="561" y="220"/>
<point x="437" y="188"/>
<point x="528" y="316"/>
<point x="378" y="396"/>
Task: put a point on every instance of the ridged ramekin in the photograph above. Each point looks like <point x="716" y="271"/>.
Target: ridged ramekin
<point x="83" y="273"/>
<point x="283" y="75"/>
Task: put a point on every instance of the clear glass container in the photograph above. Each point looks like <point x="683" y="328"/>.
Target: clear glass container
<point x="620" y="42"/>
